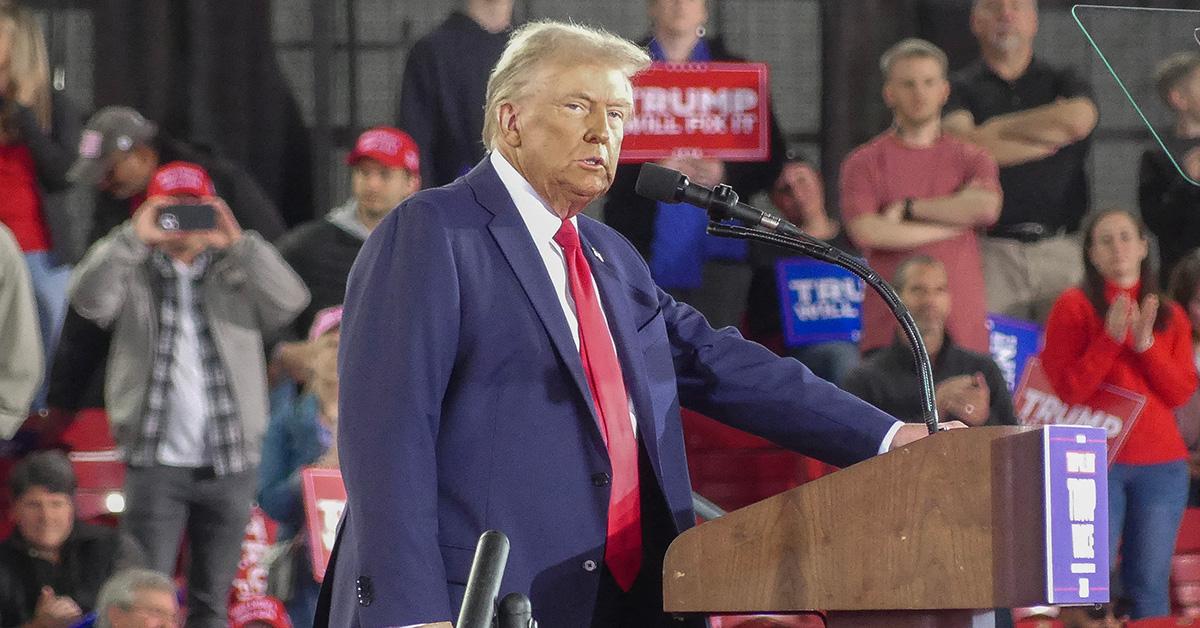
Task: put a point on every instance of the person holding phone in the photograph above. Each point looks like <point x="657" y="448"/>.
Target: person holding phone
<point x="188" y="297"/>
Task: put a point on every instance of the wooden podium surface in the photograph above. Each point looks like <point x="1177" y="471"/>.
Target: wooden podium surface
<point x="953" y="521"/>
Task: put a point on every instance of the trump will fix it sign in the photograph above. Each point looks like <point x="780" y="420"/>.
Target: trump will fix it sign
<point x="706" y="110"/>
<point x="324" y="501"/>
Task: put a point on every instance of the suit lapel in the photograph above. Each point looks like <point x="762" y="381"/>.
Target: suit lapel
<point x="518" y="248"/>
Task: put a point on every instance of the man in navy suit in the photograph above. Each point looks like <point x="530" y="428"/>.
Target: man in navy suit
<point x="507" y="364"/>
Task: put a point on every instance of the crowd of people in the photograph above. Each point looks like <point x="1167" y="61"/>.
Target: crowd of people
<point x="212" y="346"/>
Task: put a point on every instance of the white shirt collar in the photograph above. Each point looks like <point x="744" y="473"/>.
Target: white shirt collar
<point x="541" y="221"/>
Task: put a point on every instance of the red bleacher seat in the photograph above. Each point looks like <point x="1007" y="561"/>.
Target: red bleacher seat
<point x="736" y="469"/>
<point x="1185" y="566"/>
<point x="1160" y="622"/>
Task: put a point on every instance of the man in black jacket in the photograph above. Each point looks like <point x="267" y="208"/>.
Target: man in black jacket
<point x="442" y="91"/>
<point x="1169" y="201"/>
<point x="52" y="567"/>
<point x="385" y="169"/>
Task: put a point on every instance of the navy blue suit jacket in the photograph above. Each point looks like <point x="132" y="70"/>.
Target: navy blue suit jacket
<point x="464" y="408"/>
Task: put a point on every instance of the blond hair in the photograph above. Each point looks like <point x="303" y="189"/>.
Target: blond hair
<point x="910" y="48"/>
<point x="28" y="62"/>
<point x="546" y="42"/>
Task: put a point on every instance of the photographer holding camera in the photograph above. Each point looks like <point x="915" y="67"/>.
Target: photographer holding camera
<point x="188" y="296"/>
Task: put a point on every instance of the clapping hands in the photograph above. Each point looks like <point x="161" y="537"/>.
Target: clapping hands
<point x="1127" y="321"/>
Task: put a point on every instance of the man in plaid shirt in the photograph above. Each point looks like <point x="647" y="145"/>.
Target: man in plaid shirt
<point x="188" y="305"/>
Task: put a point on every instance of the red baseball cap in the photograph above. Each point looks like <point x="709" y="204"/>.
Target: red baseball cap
<point x="267" y="610"/>
<point x="389" y="146"/>
<point x="180" y="178"/>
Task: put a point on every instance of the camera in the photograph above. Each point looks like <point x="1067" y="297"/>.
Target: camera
<point x="187" y="217"/>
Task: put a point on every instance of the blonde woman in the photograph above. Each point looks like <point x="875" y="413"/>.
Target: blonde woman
<point x="39" y="131"/>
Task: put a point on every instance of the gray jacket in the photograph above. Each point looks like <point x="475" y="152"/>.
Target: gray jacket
<point x="248" y="291"/>
<point x="21" y="362"/>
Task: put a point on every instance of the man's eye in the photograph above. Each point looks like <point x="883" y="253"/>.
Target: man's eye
<point x="620" y="115"/>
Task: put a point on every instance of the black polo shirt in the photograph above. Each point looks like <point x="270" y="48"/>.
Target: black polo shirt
<point x="1051" y="191"/>
<point x="1170" y="204"/>
<point x="888" y="380"/>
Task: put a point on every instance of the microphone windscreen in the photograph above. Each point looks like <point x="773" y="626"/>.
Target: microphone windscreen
<point x="658" y="183"/>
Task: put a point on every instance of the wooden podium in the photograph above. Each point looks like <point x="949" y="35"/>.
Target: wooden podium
<point x="927" y="535"/>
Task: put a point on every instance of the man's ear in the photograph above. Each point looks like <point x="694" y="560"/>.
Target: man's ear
<point x="1176" y="100"/>
<point x="510" y="127"/>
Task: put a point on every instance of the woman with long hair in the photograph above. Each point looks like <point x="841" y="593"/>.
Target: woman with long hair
<point x="1116" y="329"/>
<point x="39" y="131"/>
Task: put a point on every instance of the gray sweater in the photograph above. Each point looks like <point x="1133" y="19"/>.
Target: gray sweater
<point x="247" y="292"/>
<point x="21" y="361"/>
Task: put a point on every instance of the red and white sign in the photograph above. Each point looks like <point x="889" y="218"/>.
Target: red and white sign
<point x="324" y="501"/>
<point x="706" y="110"/>
<point x="251" y="578"/>
<point x="1112" y="408"/>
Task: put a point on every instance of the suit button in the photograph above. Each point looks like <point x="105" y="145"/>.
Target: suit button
<point x="589" y="565"/>
<point x="601" y="479"/>
<point x="366" y="594"/>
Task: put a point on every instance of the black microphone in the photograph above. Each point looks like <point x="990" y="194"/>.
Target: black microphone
<point x="516" y="612"/>
<point x="483" y="585"/>
<point x="671" y="186"/>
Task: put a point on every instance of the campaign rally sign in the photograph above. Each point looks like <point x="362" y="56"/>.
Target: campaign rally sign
<point x="1076" y="512"/>
<point x="708" y="110"/>
<point x="821" y="302"/>
<point x="1012" y="342"/>
<point x="251" y="578"/>
<point x="324" y="501"/>
<point x="1111" y="408"/>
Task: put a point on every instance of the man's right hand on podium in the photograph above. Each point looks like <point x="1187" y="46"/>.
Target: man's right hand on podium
<point x="912" y="432"/>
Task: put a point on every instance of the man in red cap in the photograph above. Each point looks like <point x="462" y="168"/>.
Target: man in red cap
<point x="188" y="296"/>
<point x="385" y="169"/>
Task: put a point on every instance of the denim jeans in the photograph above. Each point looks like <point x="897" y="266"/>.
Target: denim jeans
<point x="49" y="280"/>
<point x="165" y="502"/>
<point x="830" y="361"/>
<point x="1145" y="506"/>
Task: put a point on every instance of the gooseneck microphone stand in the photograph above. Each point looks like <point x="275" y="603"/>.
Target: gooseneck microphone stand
<point x="722" y="204"/>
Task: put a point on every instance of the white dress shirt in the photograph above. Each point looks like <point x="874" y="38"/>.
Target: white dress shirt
<point x="184" y="441"/>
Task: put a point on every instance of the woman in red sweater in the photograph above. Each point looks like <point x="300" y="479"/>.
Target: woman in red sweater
<point x="1115" y="329"/>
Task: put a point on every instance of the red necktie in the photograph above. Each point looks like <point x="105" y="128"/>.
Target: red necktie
<point x="623" y="548"/>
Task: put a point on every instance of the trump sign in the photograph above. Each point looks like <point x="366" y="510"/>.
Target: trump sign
<point x="704" y="110"/>
<point x="324" y="501"/>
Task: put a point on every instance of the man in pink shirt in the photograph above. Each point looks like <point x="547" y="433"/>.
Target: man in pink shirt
<point x="915" y="190"/>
